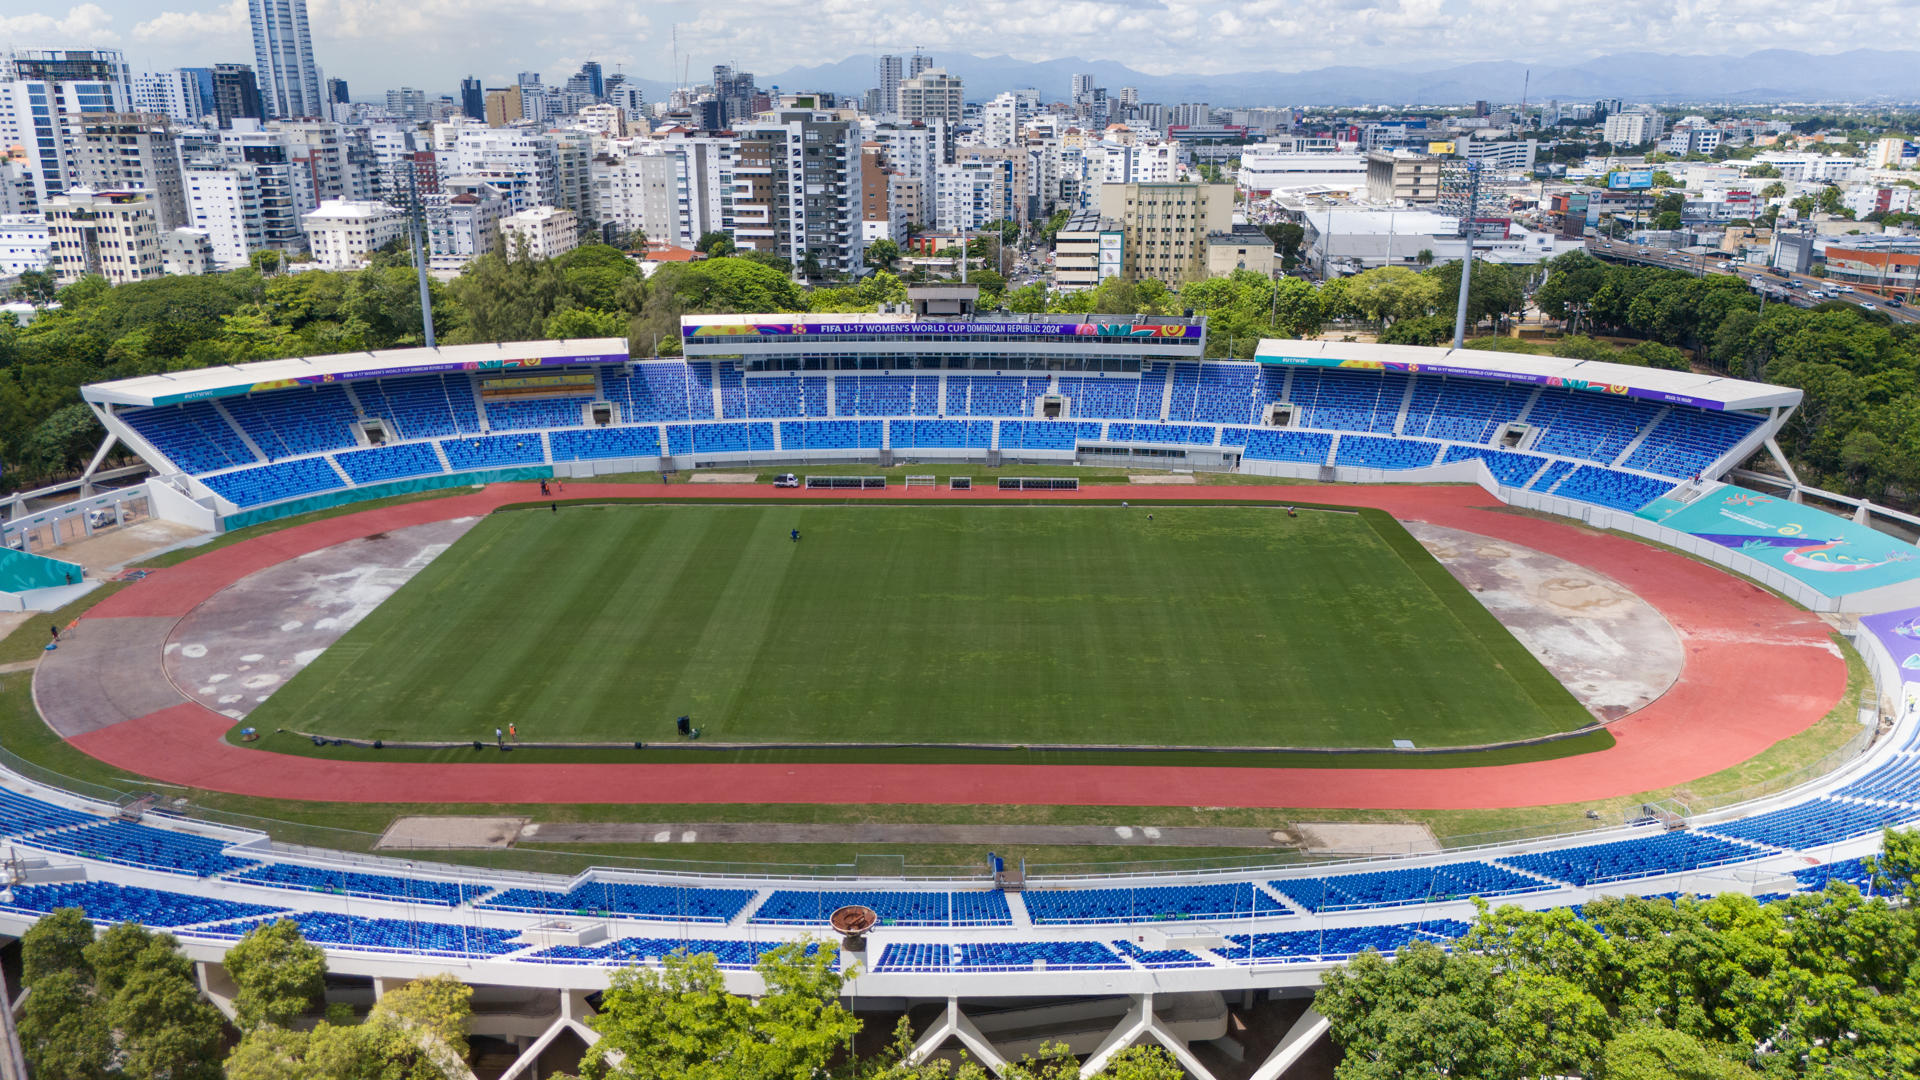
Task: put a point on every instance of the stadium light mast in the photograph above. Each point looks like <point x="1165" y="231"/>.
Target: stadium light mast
<point x="417" y="231"/>
<point x="1466" y="255"/>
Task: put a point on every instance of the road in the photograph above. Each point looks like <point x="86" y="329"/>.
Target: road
<point x="1776" y="288"/>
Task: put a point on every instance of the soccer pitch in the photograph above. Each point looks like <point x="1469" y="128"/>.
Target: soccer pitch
<point x="1004" y="624"/>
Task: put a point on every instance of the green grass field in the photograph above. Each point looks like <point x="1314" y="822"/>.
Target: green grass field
<point x="1051" y="624"/>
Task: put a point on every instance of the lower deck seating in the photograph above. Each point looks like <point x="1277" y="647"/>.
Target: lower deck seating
<point x="1336" y="943"/>
<point x="638" y="901"/>
<point x="1551" y="475"/>
<point x="1370" y="452"/>
<point x="831" y="434"/>
<point x="194" y="436"/>
<point x="1415" y="885"/>
<point x="394" y="462"/>
<point x="273" y="483"/>
<point x="1189" y="434"/>
<point x="105" y="902"/>
<point x="1854" y="872"/>
<point x="371" y="886"/>
<point x="794" y="907"/>
<point x="1030" y="955"/>
<point x="494" y="451"/>
<point x="719" y="438"/>
<point x="20" y="814"/>
<point x="1666" y="853"/>
<point x="1159" y="958"/>
<point x="940" y="434"/>
<point x="1605" y="487"/>
<point x="148" y="848"/>
<point x="1811" y="824"/>
<point x="1149" y="904"/>
<point x="1046" y="434"/>
<point x="537" y="413"/>
<point x="734" y="955"/>
<point x="385" y="935"/>
<point x="1507" y="466"/>
<point x="1895" y="780"/>
<point x="915" y="956"/>
<point x="608" y="442"/>
<point x="1272" y="444"/>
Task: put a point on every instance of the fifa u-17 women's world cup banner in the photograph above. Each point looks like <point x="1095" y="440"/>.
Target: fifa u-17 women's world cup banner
<point x="1828" y="552"/>
<point x="973" y="329"/>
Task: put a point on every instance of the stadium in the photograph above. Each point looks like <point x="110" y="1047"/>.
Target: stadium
<point x="950" y="609"/>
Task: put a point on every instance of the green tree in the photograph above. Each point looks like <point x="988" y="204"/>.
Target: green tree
<point x="36" y="287"/>
<point x="714" y="244"/>
<point x="585" y="322"/>
<point x="1287" y="238"/>
<point x="56" y="944"/>
<point x="63" y="1029"/>
<point x="278" y="974"/>
<point x="1657" y="1053"/>
<point x="265" y="260"/>
<point x="883" y="254"/>
<point x="1666" y="220"/>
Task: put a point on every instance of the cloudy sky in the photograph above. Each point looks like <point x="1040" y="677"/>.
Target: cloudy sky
<point x="376" y="44"/>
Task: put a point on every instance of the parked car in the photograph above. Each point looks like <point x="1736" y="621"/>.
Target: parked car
<point x="786" y="480"/>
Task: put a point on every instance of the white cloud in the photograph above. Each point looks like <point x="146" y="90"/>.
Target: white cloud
<point x="83" y="23"/>
<point x="187" y="27"/>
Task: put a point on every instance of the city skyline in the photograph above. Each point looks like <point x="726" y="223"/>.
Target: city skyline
<point x="435" y="44"/>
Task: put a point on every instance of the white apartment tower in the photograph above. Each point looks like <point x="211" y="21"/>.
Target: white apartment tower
<point x="931" y="94"/>
<point x="283" y="59"/>
<point x="114" y="234"/>
<point x="888" y="72"/>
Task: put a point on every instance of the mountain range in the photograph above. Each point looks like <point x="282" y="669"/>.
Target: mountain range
<point x="1773" y="75"/>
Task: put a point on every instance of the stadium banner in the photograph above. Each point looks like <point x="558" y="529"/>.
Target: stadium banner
<point x="1899" y="633"/>
<point x="510" y="364"/>
<point x="708" y="331"/>
<point x="1549" y="381"/>
<point x="1830" y="554"/>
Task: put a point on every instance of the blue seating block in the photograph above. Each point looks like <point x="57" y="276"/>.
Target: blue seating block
<point x="1048" y="907"/>
<point x="1508" y="467"/>
<point x="392" y="462"/>
<point x="915" y="956"/>
<point x="535" y="414"/>
<point x="1111" y="397"/>
<point x="1895" y="780"/>
<point x="1022" y="955"/>
<point x="1812" y="824"/>
<point x="422" y="406"/>
<point x="21" y="814"/>
<point x="1419" y="885"/>
<point x="371" y="886"/>
<point x="1159" y="958"/>
<point x="605" y="442"/>
<point x="621" y="952"/>
<point x="296" y="421"/>
<point x="1275" y="444"/>
<point x="494" y="451"/>
<point x="1588" y="425"/>
<point x="273" y="483"/>
<point x="1551" y="475"/>
<point x="385" y="935"/>
<point x="139" y="845"/>
<point x="793" y="907"/>
<point x="1046" y="434"/>
<point x="1687" y="440"/>
<point x="1348" y="400"/>
<point x="1462" y="409"/>
<point x="1188" y="434"/>
<point x="831" y="434"/>
<point x="194" y="436"/>
<point x="635" y="901"/>
<point x="106" y="903"/>
<point x="1338" y="943"/>
<point x="1665" y="853"/>
<point x="1604" y="487"/>
<point x="1370" y="452"/>
<point x="937" y="434"/>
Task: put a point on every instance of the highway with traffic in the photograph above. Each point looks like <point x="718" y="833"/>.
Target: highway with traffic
<point x="1795" y="289"/>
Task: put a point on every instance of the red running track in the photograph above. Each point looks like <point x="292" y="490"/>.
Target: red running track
<point x="1757" y="670"/>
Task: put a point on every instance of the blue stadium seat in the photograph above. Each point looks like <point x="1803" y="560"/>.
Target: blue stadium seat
<point x="1159" y="958"/>
<point x="391" y="462"/>
<point x="1372" y="452"/>
<point x="1508" y="467"/>
<point x="105" y="903"/>
<point x="1348" y="400"/>
<point x="1337" y="943"/>
<point x="384" y="935"/>
<point x="272" y="483"/>
<point x="194" y="436"/>
<point x="1049" y="907"/>
<point x="794" y="907"/>
<point x="370" y="886"/>
<point x="1648" y="856"/>
<point x="1894" y="780"/>
<point x="1046" y="434"/>
<point x="831" y="434"/>
<point x="295" y="422"/>
<point x="421" y="406"/>
<point x="653" y="391"/>
<point x="20" y="814"/>
<point x="634" y="901"/>
<point x="620" y="952"/>
<point x="605" y="442"/>
<point x="1023" y="955"/>
<point x="915" y="956"/>
<point x="1551" y="475"/>
<point x="148" y="848"/>
<point x="1275" y="444"/>
<point x="1189" y="434"/>
<point x="936" y="434"/>
<point x="1462" y="409"/>
<point x="1588" y="425"/>
<point x="1687" y="440"/>
<point x="1417" y="885"/>
<point x="1815" y="823"/>
<point x="494" y="451"/>
<point x="1112" y="397"/>
<point x="999" y="395"/>
<point x="1605" y="487"/>
<point x="535" y="414"/>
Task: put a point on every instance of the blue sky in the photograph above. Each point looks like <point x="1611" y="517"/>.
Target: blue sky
<point x="376" y="44"/>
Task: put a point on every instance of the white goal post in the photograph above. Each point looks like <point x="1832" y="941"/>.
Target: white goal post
<point x="921" y="481"/>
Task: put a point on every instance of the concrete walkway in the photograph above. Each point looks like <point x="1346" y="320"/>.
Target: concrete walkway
<point x="765" y="832"/>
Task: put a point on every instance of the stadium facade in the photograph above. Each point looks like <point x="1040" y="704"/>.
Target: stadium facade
<point x="1154" y="956"/>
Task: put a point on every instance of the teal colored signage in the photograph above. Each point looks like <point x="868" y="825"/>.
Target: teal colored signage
<point x="1829" y="553"/>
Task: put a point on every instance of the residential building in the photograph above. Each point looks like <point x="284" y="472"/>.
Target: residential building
<point x="283" y="57"/>
<point x="127" y="152"/>
<point x="931" y="94"/>
<point x="409" y="104"/>
<point x="888" y="76"/>
<point x="735" y="92"/>
<point x="967" y="195"/>
<point x="40" y="90"/>
<point x="342" y="234"/>
<point x="1087" y="250"/>
<point x="114" y="234"/>
<point x="1692" y="135"/>
<point x="23" y="244"/>
<point x="541" y="232"/>
<point x="877" y="220"/>
<point x="645" y="190"/>
<point x="524" y="165"/>
<point x="796" y="184"/>
<point x="236" y="94"/>
<point x="1517" y="155"/>
<point x="463" y="222"/>
<point x="176" y="94"/>
<point x="1632" y="128"/>
<point x="1167" y="226"/>
<point x="186" y="251"/>
<point x="246" y="206"/>
<point x="1894" y="154"/>
<point x="1814" y="168"/>
<point x="919" y="63"/>
<point x="506" y="105"/>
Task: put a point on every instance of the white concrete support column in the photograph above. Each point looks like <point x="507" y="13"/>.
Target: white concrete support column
<point x="574" y="1011"/>
<point x="1309" y="1029"/>
<point x="1140" y="1020"/>
<point x="954" y="1024"/>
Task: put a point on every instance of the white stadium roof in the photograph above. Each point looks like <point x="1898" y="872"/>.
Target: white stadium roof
<point x="1679" y="387"/>
<point x="231" y="379"/>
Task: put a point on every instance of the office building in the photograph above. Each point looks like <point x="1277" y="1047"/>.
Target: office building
<point x="505" y="106"/>
<point x="112" y="234"/>
<point x="1632" y="128"/>
<point x="1401" y="177"/>
<point x="932" y="94"/>
<point x="337" y="93"/>
<point x="1087" y="250"/>
<point x="595" y="82"/>
<point x="473" y="99"/>
<point x="409" y="104"/>
<point x="283" y="59"/>
<point x="1167" y="226"/>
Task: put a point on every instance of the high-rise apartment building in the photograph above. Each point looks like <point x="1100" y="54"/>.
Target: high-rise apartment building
<point x="463" y="222"/>
<point x="931" y="94"/>
<point x="735" y="92"/>
<point x="283" y="58"/>
<point x="409" y="104"/>
<point x="887" y="73"/>
<point x="40" y="90"/>
<point x="236" y="94"/>
<point x="177" y="94"/>
<point x="504" y="106"/>
<point x="596" y="82"/>
<point x="919" y="63"/>
<point x="796" y="184"/>
<point x="128" y="152"/>
<point x="114" y="234"/>
<point x="1632" y="128"/>
<point x="337" y="93"/>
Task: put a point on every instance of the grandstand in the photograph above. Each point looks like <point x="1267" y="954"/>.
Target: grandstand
<point x="263" y="439"/>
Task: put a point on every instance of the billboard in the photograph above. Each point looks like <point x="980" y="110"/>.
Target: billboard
<point x="1439" y="149"/>
<point x="1829" y="553"/>
<point x="507" y="364"/>
<point x="1551" y="382"/>
<point x="715" y="331"/>
<point x="1630" y="180"/>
